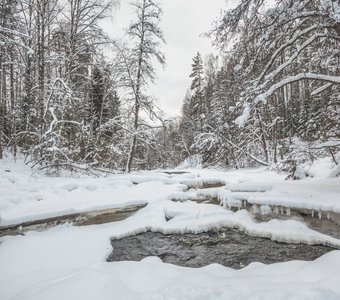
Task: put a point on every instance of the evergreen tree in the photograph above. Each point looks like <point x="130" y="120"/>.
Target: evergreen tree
<point x="197" y="103"/>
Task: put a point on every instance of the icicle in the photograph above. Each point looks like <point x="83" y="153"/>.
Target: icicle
<point x="320" y="216"/>
<point x="276" y="210"/>
<point x="312" y="213"/>
<point x="265" y="209"/>
<point x="328" y="216"/>
<point x="288" y="211"/>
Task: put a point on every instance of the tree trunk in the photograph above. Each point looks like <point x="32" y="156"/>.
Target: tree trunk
<point x="137" y="96"/>
<point x="41" y="63"/>
<point x="3" y="102"/>
<point x="133" y="146"/>
<point x="1" y="109"/>
<point x="263" y="138"/>
<point x="13" y="108"/>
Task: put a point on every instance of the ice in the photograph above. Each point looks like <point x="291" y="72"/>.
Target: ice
<point x="202" y="182"/>
<point x="265" y="209"/>
<point x="260" y="188"/>
<point x="68" y="262"/>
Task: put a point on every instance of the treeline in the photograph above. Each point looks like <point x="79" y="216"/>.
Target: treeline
<point x="69" y="95"/>
<point x="273" y="97"/>
<point x="57" y="91"/>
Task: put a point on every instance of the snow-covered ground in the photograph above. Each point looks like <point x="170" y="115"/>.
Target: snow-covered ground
<point x="68" y="262"/>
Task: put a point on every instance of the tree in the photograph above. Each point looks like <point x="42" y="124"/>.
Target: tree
<point x="197" y="102"/>
<point x="147" y="36"/>
<point x="187" y="126"/>
<point x="104" y="117"/>
<point x="97" y="97"/>
<point x="58" y="98"/>
<point x="8" y="40"/>
<point x="288" y="65"/>
<point x="194" y="107"/>
<point x="12" y="47"/>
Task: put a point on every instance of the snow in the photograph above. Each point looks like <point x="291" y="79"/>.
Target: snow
<point x="333" y="8"/>
<point x="282" y="47"/>
<point x="321" y="89"/>
<point x="311" y="76"/>
<point x="68" y="262"/>
<point x="328" y="144"/>
<point x="244" y="187"/>
<point x="28" y="197"/>
<point x="241" y="120"/>
<point x="262" y="187"/>
<point x="200" y="183"/>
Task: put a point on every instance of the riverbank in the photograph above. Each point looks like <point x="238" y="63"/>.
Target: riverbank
<point x="69" y="262"/>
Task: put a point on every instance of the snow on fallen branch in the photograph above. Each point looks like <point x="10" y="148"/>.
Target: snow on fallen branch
<point x="328" y="144"/>
<point x="71" y="166"/>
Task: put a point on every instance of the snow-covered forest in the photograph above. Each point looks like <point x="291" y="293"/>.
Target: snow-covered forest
<point x="273" y="97"/>
<point x="72" y="96"/>
<point x="59" y="86"/>
<point x="104" y="194"/>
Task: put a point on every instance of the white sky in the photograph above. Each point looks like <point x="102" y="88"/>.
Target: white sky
<point x="183" y="21"/>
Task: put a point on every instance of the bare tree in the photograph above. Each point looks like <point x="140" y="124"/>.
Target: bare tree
<point x="147" y="35"/>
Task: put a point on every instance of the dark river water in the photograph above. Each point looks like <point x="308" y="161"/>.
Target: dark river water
<point x="228" y="247"/>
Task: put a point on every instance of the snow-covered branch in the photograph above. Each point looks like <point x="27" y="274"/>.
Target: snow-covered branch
<point x="309" y="76"/>
<point x="290" y="42"/>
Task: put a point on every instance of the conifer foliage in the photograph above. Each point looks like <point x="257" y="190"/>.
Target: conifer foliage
<point x="274" y="98"/>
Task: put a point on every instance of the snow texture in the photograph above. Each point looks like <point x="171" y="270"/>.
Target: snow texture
<point x="68" y="262"/>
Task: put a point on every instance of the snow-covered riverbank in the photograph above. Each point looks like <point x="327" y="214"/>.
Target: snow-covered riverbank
<point x="68" y="262"/>
<point x="27" y="196"/>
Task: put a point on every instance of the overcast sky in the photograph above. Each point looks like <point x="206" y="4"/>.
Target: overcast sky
<point x="183" y="21"/>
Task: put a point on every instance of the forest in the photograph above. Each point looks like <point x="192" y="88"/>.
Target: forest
<point x="219" y="180"/>
<point x="73" y="97"/>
